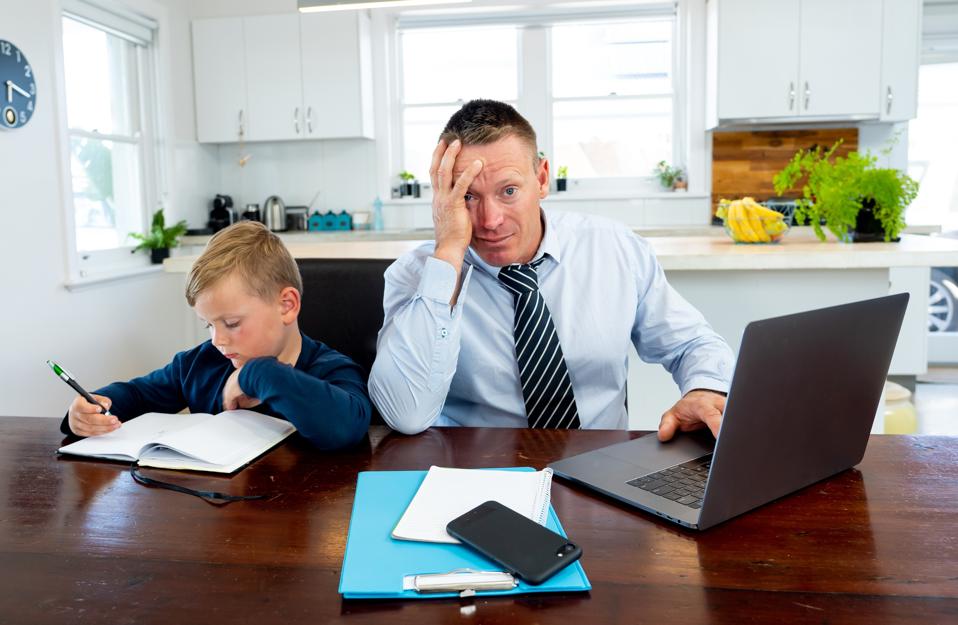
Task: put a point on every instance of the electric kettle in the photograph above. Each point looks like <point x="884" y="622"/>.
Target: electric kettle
<point x="274" y="213"/>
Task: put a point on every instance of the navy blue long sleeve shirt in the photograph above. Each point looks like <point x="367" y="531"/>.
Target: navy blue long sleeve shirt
<point x="324" y="395"/>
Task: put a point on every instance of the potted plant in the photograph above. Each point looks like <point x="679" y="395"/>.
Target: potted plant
<point x="668" y="175"/>
<point x="562" y="175"/>
<point x="856" y="200"/>
<point x="159" y="239"/>
<point x="409" y="185"/>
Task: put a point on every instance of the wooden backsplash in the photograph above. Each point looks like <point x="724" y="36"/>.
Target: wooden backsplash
<point x="743" y="163"/>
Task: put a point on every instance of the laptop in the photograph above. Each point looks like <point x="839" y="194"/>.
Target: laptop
<point x="801" y="405"/>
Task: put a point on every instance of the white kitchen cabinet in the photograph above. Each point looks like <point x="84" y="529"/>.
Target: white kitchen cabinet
<point x="283" y="77"/>
<point x="756" y="47"/>
<point x="840" y="66"/>
<point x="219" y="79"/>
<point x="808" y="60"/>
<point x="898" y="98"/>
<point x="337" y="75"/>
<point x="274" y="77"/>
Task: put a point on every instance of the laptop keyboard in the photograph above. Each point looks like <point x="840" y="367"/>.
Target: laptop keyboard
<point x="684" y="483"/>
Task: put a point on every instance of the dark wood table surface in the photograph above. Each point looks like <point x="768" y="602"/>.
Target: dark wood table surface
<point x="80" y="542"/>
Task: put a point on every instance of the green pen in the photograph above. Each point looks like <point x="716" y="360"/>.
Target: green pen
<point x="67" y="377"/>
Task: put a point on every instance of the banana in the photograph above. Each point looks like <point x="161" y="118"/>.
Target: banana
<point x="755" y="223"/>
<point x="738" y="220"/>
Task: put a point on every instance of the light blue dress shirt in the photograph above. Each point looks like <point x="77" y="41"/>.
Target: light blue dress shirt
<point x="442" y="365"/>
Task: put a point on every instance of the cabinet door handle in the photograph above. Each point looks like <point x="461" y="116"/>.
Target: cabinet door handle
<point x="242" y="126"/>
<point x="888" y="100"/>
<point x="791" y="96"/>
<point x="309" y="119"/>
<point x="808" y="95"/>
<point x="296" y="119"/>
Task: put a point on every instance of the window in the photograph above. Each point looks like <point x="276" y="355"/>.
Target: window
<point x="597" y="88"/>
<point x="612" y="97"/>
<point x="932" y="136"/>
<point x="109" y="92"/>
<point x="484" y="65"/>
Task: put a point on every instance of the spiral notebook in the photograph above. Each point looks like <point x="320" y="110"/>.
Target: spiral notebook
<point x="449" y="493"/>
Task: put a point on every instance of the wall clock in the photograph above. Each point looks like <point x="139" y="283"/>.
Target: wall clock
<point x="18" y="89"/>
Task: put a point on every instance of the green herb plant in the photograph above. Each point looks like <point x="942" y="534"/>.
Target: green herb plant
<point x="834" y="189"/>
<point x="405" y="176"/>
<point x="668" y="175"/>
<point x="159" y="236"/>
<point x="562" y="172"/>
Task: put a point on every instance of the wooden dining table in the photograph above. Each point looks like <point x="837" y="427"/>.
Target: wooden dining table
<point x="81" y="542"/>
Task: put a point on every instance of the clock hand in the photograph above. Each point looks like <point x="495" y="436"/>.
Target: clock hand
<point x="12" y="86"/>
<point x="9" y="85"/>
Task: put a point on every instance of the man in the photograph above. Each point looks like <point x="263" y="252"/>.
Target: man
<point x="518" y="317"/>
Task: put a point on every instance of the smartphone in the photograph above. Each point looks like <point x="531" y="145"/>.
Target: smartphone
<point x="525" y="548"/>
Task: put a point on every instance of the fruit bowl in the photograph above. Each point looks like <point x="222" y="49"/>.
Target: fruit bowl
<point x="747" y="221"/>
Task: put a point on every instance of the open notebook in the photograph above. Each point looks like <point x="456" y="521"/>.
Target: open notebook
<point x="220" y="443"/>
<point x="449" y="493"/>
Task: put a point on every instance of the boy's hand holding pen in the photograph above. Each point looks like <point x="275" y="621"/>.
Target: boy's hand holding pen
<point x="89" y="415"/>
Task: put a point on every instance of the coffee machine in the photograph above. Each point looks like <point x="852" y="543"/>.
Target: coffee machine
<point x="222" y="214"/>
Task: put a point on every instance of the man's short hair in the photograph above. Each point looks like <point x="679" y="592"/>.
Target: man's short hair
<point x="252" y="252"/>
<point x="480" y="122"/>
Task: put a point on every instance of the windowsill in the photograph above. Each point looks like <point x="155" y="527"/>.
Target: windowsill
<point x="578" y="196"/>
<point x="122" y="275"/>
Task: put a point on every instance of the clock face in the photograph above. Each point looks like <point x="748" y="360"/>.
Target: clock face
<point x="18" y="89"/>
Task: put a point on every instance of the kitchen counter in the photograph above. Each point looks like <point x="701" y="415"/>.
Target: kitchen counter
<point x="731" y="284"/>
<point x="675" y="249"/>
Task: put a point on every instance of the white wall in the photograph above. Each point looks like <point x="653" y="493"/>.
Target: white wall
<point x="102" y="332"/>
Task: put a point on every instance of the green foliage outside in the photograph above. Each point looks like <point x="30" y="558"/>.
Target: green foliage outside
<point x="834" y="188"/>
<point x="160" y="236"/>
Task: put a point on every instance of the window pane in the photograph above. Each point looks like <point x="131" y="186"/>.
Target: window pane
<point x="421" y="128"/>
<point x="625" y="58"/>
<point x="101" y="86"/>
<point x="449" y="64"/>
<point x="932" y="137"/>
<point x="612" y="137"/>
<point x="106" y="192"/>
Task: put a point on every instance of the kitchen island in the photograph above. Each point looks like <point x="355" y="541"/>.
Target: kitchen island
<point x="732" y="284"/>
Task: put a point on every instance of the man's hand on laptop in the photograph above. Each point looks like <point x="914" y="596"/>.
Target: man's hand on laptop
<point x="697" y="409"/>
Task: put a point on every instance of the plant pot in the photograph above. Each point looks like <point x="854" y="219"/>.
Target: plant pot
<point x="560" y="184"/>
<point x="158" y="254"/>
<point x="867" y="227"/>
<point x="407" y="189"/>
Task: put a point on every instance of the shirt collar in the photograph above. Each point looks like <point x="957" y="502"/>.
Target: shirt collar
<point x="549" y="246"/>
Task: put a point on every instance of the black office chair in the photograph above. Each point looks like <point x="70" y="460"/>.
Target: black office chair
<point x="343" y="305"/>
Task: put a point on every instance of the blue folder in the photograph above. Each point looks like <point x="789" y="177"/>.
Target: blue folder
<point x="375" y="563"/>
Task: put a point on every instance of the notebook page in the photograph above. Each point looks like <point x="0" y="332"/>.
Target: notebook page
<point x="127" y="441"/>
<point x="224" y="438"/>
<point x="449" y="493"/>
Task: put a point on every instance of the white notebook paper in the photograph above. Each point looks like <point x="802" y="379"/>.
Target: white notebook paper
<point x="449" y="493"/>
<point x="220" y="443"/>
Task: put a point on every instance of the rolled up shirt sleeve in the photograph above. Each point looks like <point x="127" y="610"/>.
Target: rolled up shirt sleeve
<point x="418" y="346"/>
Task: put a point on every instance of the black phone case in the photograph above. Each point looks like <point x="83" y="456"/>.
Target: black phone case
<point x="525" y="548"/>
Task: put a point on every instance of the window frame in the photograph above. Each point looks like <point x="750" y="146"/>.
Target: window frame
<point x="94" y="266"/>
<point x="535" y="93"/>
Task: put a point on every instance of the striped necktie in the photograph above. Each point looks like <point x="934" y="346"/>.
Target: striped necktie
<point x="546" y="388"/>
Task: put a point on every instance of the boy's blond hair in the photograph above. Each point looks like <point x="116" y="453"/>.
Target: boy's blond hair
<point x="252" y="252"/>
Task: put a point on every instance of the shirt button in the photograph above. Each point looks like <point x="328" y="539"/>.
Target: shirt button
<point x="443" y="333"/>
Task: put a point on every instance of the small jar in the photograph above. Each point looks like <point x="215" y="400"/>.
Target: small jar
<point x="900" y="414"/>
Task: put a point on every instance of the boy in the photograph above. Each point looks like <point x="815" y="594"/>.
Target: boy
<point x="247" y="288"/>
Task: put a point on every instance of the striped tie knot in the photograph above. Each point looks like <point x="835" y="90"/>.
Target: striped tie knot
<point x="521" y="279"/>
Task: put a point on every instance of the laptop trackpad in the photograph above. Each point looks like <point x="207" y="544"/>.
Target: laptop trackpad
<point x="648" y="455"/>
